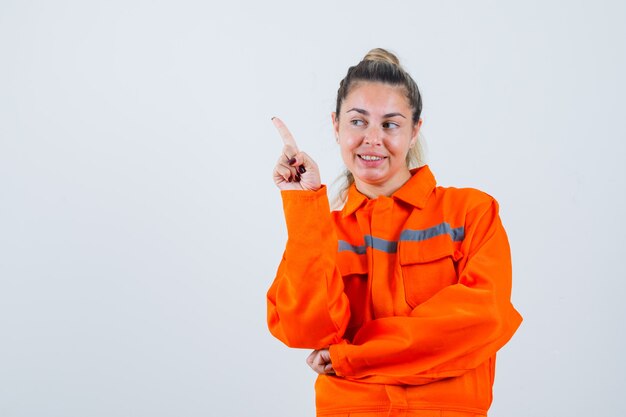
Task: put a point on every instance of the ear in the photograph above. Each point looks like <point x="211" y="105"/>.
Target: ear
<point x="335" y="119"/>
<point x="415" y="133"/>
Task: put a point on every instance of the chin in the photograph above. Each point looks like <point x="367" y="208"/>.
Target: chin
<point x="370" y="178"/>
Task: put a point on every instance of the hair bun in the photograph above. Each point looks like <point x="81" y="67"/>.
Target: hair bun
<point x="380" y="54"/>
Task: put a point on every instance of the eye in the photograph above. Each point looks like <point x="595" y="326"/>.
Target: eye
<point x="390" y="125"/>
<point x="357" y="122"/>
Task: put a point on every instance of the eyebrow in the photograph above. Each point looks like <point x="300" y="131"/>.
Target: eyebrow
<point x="366" y="113"/>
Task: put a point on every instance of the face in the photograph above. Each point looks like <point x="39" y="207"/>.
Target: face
<point x="375" y="131"/>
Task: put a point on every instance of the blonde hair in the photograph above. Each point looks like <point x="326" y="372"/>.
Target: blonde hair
<point x="379" y="65"/>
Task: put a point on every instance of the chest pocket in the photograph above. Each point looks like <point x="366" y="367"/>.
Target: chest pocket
<point x="350" y="263"/>
<point x="427" y="267"/>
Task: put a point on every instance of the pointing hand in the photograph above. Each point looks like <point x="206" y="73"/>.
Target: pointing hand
<point x="294" y="170"/>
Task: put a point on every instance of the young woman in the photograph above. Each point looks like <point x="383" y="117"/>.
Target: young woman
<point x="404" y="293"/>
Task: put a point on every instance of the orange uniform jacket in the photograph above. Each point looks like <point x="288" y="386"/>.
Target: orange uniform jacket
<point x="411" y="293"/>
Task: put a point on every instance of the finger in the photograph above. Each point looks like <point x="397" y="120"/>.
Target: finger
<point x="290" y="152"/>
<point x="328" y="369"/>
<point x="313" y="361"/>
<point x="304" y="160"/>
<point x="309" y="359"/>
<point x="283" y="172"/>
<point x="320" y="363"/>
<point x="312" y="358"/>
<point x="282" y="162"/>
<point x="299" y="161"/>
<point x="285" y="134"/>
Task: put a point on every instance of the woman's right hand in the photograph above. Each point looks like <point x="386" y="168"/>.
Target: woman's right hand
<point x="294" y="170"/>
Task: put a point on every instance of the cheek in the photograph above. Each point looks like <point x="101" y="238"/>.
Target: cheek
<point x="348" y="143"/>
<point x="399" y="145"/>
<point x="346" y="151"/>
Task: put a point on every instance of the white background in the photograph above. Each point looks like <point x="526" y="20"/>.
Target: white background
<point x="140" y="228"/>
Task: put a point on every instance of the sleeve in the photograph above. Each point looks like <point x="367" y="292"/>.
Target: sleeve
<point x="455" y="330"/>
<point x="306" y="304"/>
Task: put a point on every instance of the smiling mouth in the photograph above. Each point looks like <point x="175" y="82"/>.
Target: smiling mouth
<point x="371" y="157"/>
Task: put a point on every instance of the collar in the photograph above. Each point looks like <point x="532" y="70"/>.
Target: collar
<point x="414" y="192"/>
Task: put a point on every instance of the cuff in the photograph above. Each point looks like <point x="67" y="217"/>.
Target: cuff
<point x="307" y="214"/>
<point x="339" y="360"/>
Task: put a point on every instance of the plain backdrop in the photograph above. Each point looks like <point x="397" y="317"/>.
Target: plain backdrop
<point x="140" y="228"/>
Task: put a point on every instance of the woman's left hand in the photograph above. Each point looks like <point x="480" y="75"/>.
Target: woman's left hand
<point x="319" y="361"/>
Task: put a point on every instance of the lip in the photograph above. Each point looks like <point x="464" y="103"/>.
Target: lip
<point x="371" y="163"/>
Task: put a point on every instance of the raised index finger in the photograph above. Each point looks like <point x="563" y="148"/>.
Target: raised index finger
<point x="285" y="134"/>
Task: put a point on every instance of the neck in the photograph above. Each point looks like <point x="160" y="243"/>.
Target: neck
<point x="386" y="189"/>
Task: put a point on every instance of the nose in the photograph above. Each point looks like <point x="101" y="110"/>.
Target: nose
<point x="374" y="135"/>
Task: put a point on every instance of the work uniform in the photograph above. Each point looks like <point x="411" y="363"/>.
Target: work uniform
<point x="410" y="293"/>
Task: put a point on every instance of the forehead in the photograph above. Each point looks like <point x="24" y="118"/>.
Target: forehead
<point x="375" y="96"/>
